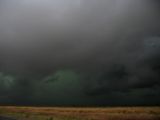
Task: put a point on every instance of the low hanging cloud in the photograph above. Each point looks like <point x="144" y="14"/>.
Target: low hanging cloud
<point x="80" y="52"/>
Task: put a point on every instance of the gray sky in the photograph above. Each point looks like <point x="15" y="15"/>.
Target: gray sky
<point x="103" y="50"/>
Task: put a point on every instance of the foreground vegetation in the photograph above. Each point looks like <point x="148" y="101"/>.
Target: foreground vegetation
<point x="62" y="113"/>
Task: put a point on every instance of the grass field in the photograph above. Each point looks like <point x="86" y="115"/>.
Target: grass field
<point x="64" y="113"/>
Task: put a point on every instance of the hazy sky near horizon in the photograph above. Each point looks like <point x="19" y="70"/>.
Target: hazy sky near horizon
<point x="80" y="52"/>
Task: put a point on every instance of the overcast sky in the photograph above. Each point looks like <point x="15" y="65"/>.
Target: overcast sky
<point x="80" y="52"/>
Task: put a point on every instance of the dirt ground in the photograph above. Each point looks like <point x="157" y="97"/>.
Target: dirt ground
<point x="106" y="113"/>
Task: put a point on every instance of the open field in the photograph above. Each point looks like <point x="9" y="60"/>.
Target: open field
<point x="65" y="113"/>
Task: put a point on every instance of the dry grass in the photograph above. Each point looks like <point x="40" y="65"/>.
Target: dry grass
<point x="110" y="113"/>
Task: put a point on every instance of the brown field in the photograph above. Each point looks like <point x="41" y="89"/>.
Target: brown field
<point x="64" y="113"/>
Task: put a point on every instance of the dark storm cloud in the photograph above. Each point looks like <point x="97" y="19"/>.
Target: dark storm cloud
<point x="80" y="52"/>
